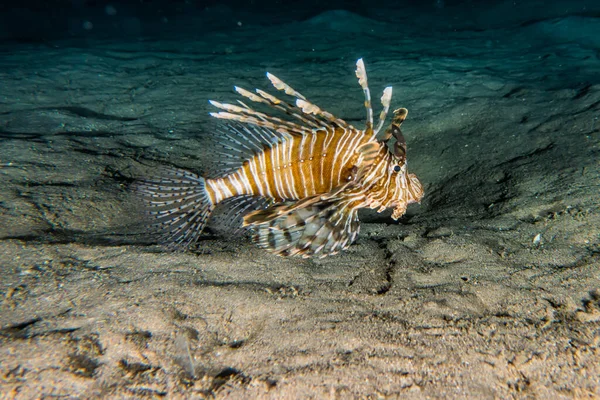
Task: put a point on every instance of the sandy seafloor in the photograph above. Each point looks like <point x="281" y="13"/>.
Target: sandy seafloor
<point x="488" y="289"/>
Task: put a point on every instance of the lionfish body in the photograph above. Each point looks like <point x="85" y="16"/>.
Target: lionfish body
<point x="300" y="184"/>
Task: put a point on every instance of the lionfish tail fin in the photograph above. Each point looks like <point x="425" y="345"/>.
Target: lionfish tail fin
<point x="178" y="204"/>
<point x="311" y="227"/>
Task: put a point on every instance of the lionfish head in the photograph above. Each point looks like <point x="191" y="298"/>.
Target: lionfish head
<point x="398" y="188"/>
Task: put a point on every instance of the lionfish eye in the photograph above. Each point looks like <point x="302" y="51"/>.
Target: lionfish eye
<point x="397" y="168"/>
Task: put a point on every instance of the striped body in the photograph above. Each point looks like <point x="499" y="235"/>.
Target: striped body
<point x="300" y="167"/>
<point x="300" y="183"/>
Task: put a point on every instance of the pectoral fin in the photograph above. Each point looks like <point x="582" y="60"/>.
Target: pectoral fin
<point x="316" y="226"/>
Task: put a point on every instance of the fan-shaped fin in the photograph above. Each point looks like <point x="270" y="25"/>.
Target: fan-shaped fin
<point x="304" y="104"/>
<point x="318" y="226"/>
<point x="274" y="102"/>
<point x="309" y="108"/>
<point x="228" y="216"/>
<point x="233" y="143"/>
<point x="248" y="115"/>
<point x="290" y="109"/>
<point x="179" y="204"/>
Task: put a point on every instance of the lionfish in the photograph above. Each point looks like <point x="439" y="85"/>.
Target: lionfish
<point x="297" y="182"/>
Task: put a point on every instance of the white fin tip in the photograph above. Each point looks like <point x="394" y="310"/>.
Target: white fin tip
<point x="387" y="96"/>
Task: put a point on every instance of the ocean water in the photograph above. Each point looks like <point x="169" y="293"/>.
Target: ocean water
<point x="489" y="288"/>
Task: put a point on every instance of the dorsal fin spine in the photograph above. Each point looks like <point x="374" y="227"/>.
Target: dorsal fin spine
<point x="361" y="74"/>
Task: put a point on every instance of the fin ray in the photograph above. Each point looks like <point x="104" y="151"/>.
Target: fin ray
<point x="386" y="98"/>
<point x="361" y="74"/>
